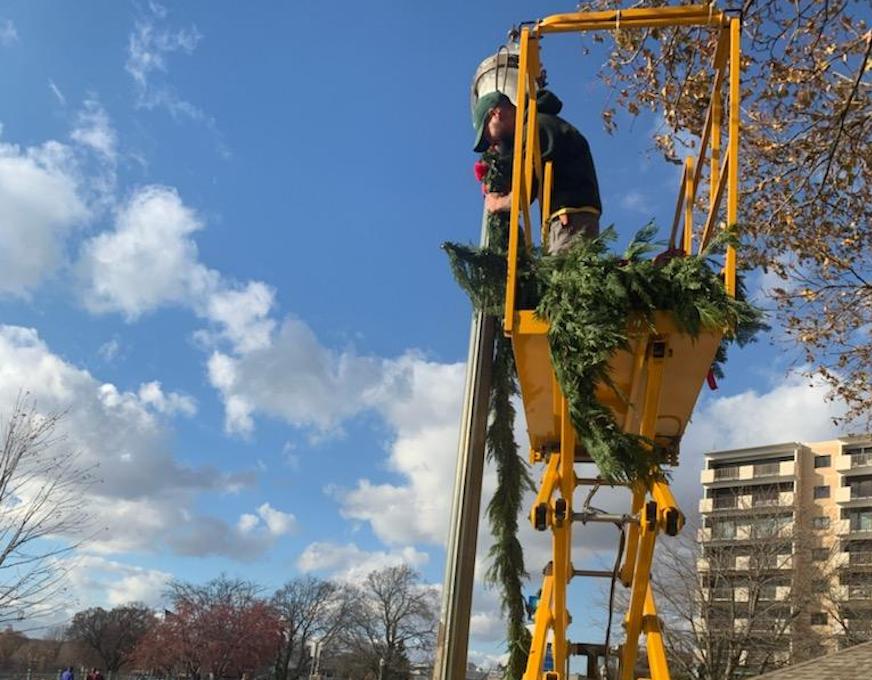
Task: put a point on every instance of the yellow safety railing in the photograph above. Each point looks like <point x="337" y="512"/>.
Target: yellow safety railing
<point x="723" y="173"/>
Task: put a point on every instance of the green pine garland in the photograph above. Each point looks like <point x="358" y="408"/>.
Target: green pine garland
<point x="506" y="555"/>
<point x="481" y="272"/>
<point x="588" y="294"/>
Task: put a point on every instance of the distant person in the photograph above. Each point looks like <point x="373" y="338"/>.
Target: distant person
<point x="68" y="674"/>
<point x="98" y="674"/>
<point x="575" y="198"/>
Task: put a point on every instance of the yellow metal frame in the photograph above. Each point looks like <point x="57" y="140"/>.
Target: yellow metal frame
<point x="653" y="510"/>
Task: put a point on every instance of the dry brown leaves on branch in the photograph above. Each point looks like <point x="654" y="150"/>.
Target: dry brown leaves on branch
<point x="806" y="165"/>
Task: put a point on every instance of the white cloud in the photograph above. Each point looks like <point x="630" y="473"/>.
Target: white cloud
<point x="423" y="410"/>
<point x="348" y="562"/>
<point x="299" y="380"/>
<point x="56" y="91"/>
<point x="247" y="522"/>
<point x="8" y="33"/>
<point x="93" y="129"/>
<point x="47" y="192"/>
<point x="148" y="260"/>
<point x="97" y="581"/>
<point x="268" y="520"/>
<point x="41" y="202"/>
<point x="148" y="48"/>
<point x="278" y="523"/>
<point x="145" y="497"/>
<point x="169" y="403"/>
<point x="204" y="535"/>
<point x="109" y="350"/>
<point x="487" y="626"/>
<point x="244" y="315"/>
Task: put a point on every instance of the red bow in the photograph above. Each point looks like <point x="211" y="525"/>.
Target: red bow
<point x="711" y="380"/>
<point x="480" y="170"/>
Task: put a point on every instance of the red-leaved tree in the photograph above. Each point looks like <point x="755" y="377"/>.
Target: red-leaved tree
<point x="222" y="628"/>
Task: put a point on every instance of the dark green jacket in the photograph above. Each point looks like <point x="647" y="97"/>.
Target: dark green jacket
<point x="575" y="184"/>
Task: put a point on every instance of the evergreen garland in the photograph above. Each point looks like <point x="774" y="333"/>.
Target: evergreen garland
<point x="588" y="295"/>
<point x="481" y="272"/>
<point x="506" y="555"/>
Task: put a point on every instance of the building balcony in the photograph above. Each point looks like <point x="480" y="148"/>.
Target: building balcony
<point x="859" y="463"/>
<point x="735" y="503"/>
<point x="759" y="624"/>
<point x="723" y="594"/>
<point x="760" y="472"/>
<point x="845" y="529"/>
<point x="844" y="496"/>
<point x="857" y="559"/>
<point x="763" y="562"/>
<point x="854" y="593"/>
<point x="748" y="532"/>
<point x="745" y="532"/>
<point x="764" y="594"/>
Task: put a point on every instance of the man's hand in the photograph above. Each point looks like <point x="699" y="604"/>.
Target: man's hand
<point x="497" y="203"/>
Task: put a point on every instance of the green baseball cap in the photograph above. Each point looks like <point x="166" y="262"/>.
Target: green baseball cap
<point x="479" y="116"/>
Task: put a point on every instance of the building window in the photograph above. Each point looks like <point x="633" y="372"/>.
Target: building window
<point x="821" y="461"/>
<point x="860" y="456"/>
<point x="724" y="529"/>
<point x="820" y="522"/>
<point x="860" y="487"/>
<point x="819" y="619"/>
<point x="727" y="472"/>
<point x="859" y="520"/>
<point x="820" y="554"/>
<point x="822" y="491"/>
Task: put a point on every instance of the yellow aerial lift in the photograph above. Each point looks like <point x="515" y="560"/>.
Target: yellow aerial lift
<point x="662" y="373"/>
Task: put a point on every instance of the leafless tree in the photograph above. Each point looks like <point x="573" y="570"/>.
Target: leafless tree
<point x="741" y="601"/>
<point x="112" y="634"/>
<point x="312" y="611"/>
<point x="42" y="516"/>
<point x="394" y="622"/>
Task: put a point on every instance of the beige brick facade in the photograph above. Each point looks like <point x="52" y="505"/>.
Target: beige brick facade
<point x="789" y="527"/>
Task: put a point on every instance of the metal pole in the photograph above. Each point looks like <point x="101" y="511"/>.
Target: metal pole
<point x="453" y="637"/>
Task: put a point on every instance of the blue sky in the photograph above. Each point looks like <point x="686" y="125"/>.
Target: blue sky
<point x="220" y="231"/>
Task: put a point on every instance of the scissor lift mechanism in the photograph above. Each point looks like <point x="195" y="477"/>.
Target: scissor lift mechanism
<point x="662" y="374"/>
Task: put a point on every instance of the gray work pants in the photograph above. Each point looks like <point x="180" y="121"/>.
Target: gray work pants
<point x="561" y="236"/>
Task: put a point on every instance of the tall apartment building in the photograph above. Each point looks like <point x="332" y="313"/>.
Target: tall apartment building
<point x="786" y="544"/>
